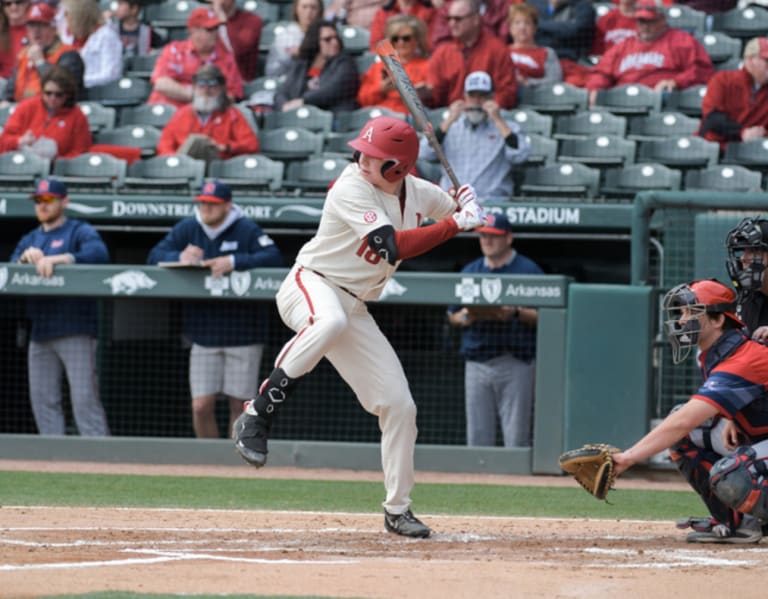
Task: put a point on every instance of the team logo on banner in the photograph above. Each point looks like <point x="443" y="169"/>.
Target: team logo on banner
<point x="491" y="289"/>
<point x="240" y="282"/>
<point x="3" y="277"/>
<point x="129" y="282"/>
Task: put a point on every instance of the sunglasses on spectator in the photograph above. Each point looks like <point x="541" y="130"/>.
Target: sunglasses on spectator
<point x="12" y="2"/>
<point x="400" y="38"/>
<point x="207" y="82"/>
<point x="455" y="18"/>
<point x="330" y="38"/>
<point x="55" y="94"/>
<point x="46" y="199"/>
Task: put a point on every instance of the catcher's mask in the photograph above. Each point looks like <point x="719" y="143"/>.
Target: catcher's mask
<point x="751" y="234"/>
<point x="684" y="304"/>
<point x="391" y="139"/>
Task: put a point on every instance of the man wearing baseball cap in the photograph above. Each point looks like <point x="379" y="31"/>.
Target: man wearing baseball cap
<point x="175" y="69"/>
<point x="43" y="51"/>
<point x="227" y="337"/>
<point x="63" y="330"/>
<point x="660" y="57"/>
<point x="479" y="143"/>
<point x="499" y="346"/>
<point x="735" y="107"/>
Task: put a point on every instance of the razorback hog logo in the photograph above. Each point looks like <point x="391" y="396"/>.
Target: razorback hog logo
<point x="129" y="282"/>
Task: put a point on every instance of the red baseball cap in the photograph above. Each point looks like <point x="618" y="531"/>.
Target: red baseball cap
<point x="41" y="13"/>
<point x="649" y="11"/>
<point x="203" y="17"/>
<point x="717" y="296"/>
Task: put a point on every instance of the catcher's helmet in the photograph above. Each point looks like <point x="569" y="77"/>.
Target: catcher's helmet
<point x="391" y="139"/>
<point x="685" y="303"/>
<point x="749" y="234"/>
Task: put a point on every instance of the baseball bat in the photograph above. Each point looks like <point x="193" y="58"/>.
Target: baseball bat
<point x="410" y="97"/>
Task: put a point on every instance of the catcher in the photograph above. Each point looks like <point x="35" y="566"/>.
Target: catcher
<point x="719" y="438"/>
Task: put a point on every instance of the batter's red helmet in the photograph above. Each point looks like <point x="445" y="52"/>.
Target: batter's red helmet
<point x="391" y="139"/>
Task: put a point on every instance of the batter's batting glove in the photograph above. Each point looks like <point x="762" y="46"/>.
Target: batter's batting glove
<point x="470" y="216"/>
<point x="465" y="195"/>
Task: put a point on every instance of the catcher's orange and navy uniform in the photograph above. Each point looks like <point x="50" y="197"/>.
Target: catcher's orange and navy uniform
<point x="736" y="383"/>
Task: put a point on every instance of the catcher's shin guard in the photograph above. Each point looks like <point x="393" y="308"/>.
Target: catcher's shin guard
<point x="739" y="481"/>
<point x="251" y="429"/>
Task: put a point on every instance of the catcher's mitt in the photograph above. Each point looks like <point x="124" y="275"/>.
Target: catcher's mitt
<point x="592" y="466"/>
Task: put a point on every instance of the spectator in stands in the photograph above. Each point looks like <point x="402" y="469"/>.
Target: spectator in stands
<point x="567" y="26"/>
<point x="493" y="16"/>
<point x="179" y="61"/>
<point x="13" y="34"/>
<point x="44" y="50"/>
<point x="534" y="65"/>
<point x="615" y="26"/>
<point x="220" y="130"/>
<point x="227" y="337"/>
<point x="660" y="57"/>
<point x="408" y="36"/>
<point x="735" y="107"/>
<point x="420" y="9"/>
<point x="472" y="49"/>
<point x="99" y="44"/>
<point x="240" y="32"/>
<point x="285" y="46"/>
<point x="63" y="333"/>
<point x="480" y="145"/>
<point x="321" y="75"/>
<point x="138" y="38"/>
<point x="499" y="346"/>
<point x="51" y="124"/>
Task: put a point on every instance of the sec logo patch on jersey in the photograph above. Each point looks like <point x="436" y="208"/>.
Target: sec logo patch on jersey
<point x="370" y="216"/>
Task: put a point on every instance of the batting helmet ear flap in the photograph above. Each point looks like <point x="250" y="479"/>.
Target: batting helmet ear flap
<point x="386" y="166"/>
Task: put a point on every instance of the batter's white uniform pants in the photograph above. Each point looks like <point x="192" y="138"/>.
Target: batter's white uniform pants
<point x="331" y="323"/>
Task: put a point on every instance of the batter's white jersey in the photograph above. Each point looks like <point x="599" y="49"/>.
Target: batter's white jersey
<point x="353" y="208"/>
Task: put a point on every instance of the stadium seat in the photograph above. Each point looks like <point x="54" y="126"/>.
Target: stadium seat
<point x="99" y="117"/>
<point x="629" y="100"/>
<point x="314" y="174"/>
<point x="589" y="123"/>
<point x="165" y="174"/>
<point x="752" y="154"/>
<point x="742" y="23"/>
<point x="261" y="84"/>
<point x="268" y="33"/>
<point x="627" y="181"/>
<point x="687" y="101"/>
<point x="353" y="120"/>
<point x="5" y="112"/>
<point x="171" y="15"/>
<point x="686" y="18"/>
<point x="661" y="125"/>
<point x="128" y="91"/>
<point x="308" y="117"/>
<point x="720" y="47"/>
<point x="249" y="172"/>
<point x="156" y="115"/>
<point x="336" y="144"/>
<point x="91" y="172"/>
<point x="529" y="120"/>
<point x="553" y="98"/>
<point x="140" y="65"/>
<point x="356" y="40"/>
<point x="602" y="8"/>
<point x="679" y="152"/>
<point x="562" y="180"/>
<point x="437" y="115"/>
<point x="268" y="11"/>
<point x="290" y="143"/>
<point x="22" y="170"/>
<point x="143" y="137"/>
<point x="429" y="170"/>
<point x="365" y="60"/>
<point x="730" y="177"/>
<point x="543" y="150"/>
<point x="732" y="64"/>
<point x="597" y="151"/>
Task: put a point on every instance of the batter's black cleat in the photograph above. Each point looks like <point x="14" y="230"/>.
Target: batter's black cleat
<point x="406" y="524"/>
<point x="250" y="432"/>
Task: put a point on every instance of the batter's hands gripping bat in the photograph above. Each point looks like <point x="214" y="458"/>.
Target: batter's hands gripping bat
<point x="410" y="97"/>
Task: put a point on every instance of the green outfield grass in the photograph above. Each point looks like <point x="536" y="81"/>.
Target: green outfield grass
<point x="104" y="490"/>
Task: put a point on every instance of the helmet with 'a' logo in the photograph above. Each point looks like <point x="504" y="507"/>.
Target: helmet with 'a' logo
<point x="391" y="139"/>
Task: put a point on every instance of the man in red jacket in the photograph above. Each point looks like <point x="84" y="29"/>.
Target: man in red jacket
<point x="660" y="57"/>
<point x="220" y="130"/>
<point x="472" y="49"/>
<point x="735" y="107"/>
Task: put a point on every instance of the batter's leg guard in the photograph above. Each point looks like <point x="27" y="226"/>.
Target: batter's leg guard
<point x="251" y="429"/>
<point x="739" y="481"/>
<point x="695" y="463"/>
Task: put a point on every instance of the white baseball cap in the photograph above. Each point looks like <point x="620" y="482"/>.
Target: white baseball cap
<point x="478" y="81"/>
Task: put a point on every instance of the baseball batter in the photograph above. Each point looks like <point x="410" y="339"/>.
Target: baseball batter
<point x="370" y="223"/>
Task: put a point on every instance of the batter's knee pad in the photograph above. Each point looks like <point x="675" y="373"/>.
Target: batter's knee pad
<point x="739" y="481"/>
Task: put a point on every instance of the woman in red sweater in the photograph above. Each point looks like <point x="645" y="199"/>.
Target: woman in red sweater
<point x="533" y="64"/>
<point x="50" y="125"/>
